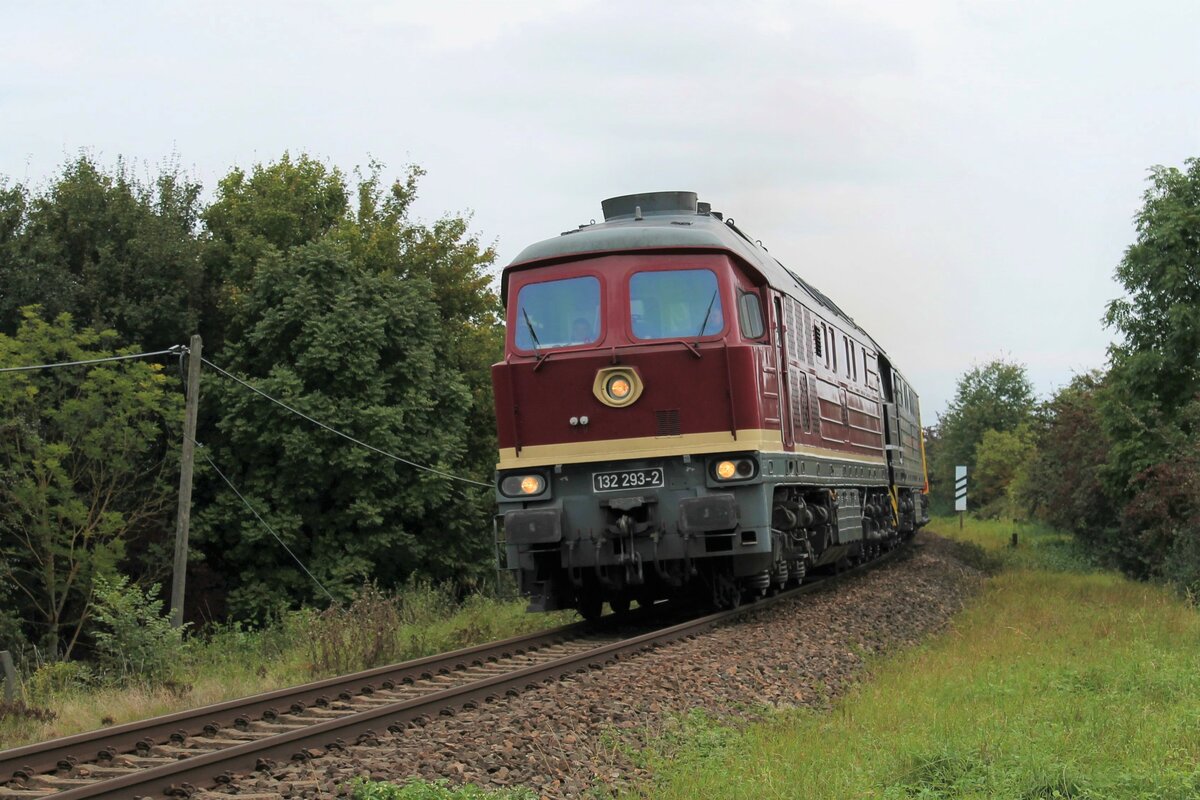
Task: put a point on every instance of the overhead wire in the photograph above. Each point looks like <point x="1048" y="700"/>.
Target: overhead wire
<point x="181" y="351"/>
<point x="175" y="350"/>
<point x="348" y="437"/>
<point x="258" y="516"/>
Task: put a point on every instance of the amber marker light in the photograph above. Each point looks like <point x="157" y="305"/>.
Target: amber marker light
<point x="726" y="470"/>
<point x="531" y="484"/>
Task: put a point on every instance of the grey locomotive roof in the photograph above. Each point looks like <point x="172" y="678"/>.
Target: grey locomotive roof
<point x="670" y="220"/>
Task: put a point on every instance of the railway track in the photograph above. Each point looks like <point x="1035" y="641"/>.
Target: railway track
<point x="191" y="752"/>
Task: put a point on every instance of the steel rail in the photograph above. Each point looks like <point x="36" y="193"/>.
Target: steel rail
<point x="206" y="769"/>
<point x="47" y="756"/>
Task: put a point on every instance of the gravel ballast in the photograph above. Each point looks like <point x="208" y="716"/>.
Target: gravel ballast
<point x="570" y="737"/>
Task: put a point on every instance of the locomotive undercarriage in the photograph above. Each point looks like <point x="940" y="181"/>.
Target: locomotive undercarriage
<point x="694" y="537"/>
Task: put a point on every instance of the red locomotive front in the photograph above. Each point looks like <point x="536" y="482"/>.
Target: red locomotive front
<point x="621" y="356"/>
<point x="645" y="419"/>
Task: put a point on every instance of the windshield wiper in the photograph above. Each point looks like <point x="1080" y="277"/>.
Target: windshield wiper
<point x="708" y="313"/>
<point x="532" y="332"/>
<point x="541" y="357"/>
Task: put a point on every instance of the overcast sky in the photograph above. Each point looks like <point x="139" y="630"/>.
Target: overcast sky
<point x="959" y="176"/>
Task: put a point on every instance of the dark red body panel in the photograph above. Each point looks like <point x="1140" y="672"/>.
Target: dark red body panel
<point x="706" y="384"/>
<point x="683" y="394"/>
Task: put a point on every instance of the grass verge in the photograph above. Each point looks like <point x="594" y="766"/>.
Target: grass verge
<point x="423" y="790"/>
<point x="230" y="662"/>
<point x="1059" y="681"/>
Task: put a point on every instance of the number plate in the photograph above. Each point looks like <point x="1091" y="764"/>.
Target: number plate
<point x="627" y="479"/>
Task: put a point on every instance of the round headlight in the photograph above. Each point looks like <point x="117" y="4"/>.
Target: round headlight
<point x="522" y="485"/>
<point x="735" y="469"/>
<point x="618" y="387"/>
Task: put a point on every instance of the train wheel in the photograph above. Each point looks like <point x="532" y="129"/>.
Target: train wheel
<point x="619" y="605"/>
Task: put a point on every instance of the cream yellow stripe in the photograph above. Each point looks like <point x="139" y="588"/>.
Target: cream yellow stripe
<point x="541" y="455"/>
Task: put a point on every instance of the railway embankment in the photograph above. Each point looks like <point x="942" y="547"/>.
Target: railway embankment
<point x="599" y="730"/>
<point x="1058" y="680"/>
<point x="228" y="662"/>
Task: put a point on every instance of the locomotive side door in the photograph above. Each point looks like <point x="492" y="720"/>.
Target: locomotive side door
<point x="891" y="419"/>
<point x="785" y="382"/>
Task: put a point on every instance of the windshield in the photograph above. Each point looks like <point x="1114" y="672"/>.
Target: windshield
<point x="675" y="304"/>
<point x="558" y="313"/>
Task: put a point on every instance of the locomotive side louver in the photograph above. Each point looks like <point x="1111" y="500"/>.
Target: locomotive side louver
<point x="668" y="422"/>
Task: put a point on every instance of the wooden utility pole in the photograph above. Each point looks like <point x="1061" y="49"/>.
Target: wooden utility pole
<point x="186" y="458"/>
<point x="12" y="684"/>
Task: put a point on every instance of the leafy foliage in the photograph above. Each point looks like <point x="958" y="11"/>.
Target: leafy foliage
<point x="112" y="250"/>
<point x="1156" y="367"/>
<point x="1002" y="462"/>
<point x="356" y="636"/>
<point x="997" y="396"/>
<point x="269" y="210"/>
<point x="1150" y="409"/>
<point x="85" y="468"/>
<point x="382" y="328"/>
<point x="135" y="639"/>
<point x="1065" y="483"/>
<point x="1159" y="534"/>
<point x="313" y="284"/>
<point x="56" y="677"/>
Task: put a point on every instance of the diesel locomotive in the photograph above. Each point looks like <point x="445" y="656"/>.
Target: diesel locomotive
<point x="679" y="414"/>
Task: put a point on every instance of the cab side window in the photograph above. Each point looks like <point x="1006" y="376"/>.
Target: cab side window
<point x="750" y="316"/>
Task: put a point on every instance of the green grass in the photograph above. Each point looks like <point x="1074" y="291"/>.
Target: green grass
<point x="229" y="662"/>
<point x="1038" y="546"/>
<point x="423" y="790"/>
<point x="1058" y="681"/>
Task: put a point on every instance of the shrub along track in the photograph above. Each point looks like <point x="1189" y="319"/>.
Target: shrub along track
<point x="181" y="754"/>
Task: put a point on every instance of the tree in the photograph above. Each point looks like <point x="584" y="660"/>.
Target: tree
<point x="113" y="251"/>
<point x="456" y="266"/>
<point x="1066" y="486"/>
<point x="85" y="468"/>
<point x="1002" y="462"/>
<point x="1151" y="407"/>
<point x="270" y="209"/>
<point x="1159" y="535"/>
<point x="996" y="396"/>
<point x="361" y="351"/>
<point x="326" y="291"/>
<point x="380" y="326"/>
<point x="1155" y="368"/>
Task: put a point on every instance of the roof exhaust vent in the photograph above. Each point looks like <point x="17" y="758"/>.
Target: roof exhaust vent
<point x="650" y="204"/>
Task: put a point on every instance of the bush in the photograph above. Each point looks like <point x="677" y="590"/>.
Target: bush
<point x="1066" y="484"/>
<point x="136" y="640"/>
<point x="58" y="677"/>
<point x="349" y="638"/>
<point x="1002" y="461"/>
<point x="1161" y="522"/>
